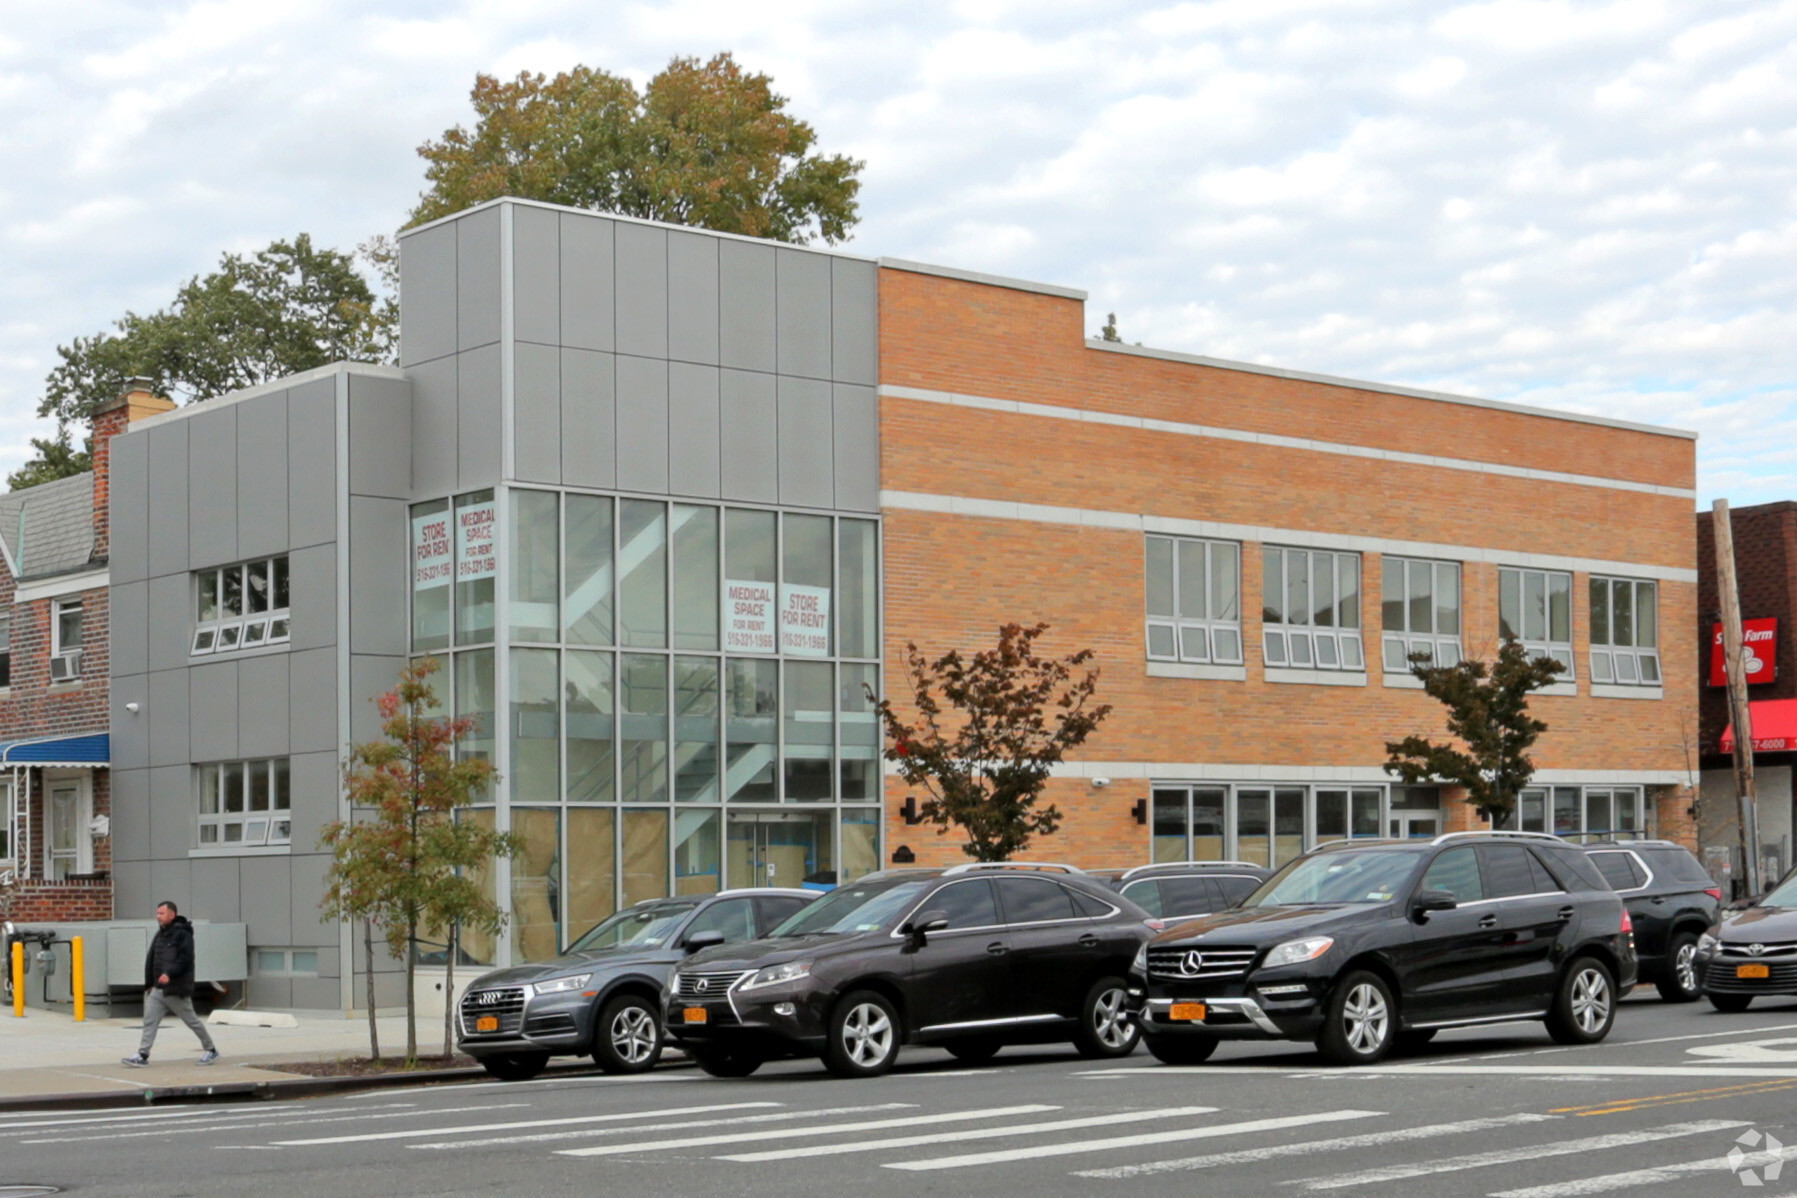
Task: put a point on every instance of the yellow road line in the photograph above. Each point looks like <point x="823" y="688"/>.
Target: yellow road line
<point x="1677" y="1098"/>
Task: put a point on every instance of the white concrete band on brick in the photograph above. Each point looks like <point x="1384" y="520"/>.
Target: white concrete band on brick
<point x="1041" y="513"/>
<point x="1202" y="771"/>
<point x="1210" y="432"/>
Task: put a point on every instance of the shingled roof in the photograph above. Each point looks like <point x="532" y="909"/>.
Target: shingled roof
<point x="49" y="529"/>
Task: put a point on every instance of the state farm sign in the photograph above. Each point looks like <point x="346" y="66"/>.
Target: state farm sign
<point x="1759" y="652"/>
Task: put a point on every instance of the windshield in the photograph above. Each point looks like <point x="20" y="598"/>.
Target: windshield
<point x="1340" y="877"/>
<point x="644" y="927"/>
<point x="853" y="908"/>
<point x="1783" y="895"/>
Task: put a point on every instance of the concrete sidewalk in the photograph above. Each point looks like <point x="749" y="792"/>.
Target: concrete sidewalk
<point x="48" y="1057"/>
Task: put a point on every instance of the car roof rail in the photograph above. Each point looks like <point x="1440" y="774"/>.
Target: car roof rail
<point x="1643" y="843"/>
<point x="1142" y="869"/>
<point x="900" y="872"/>
<point x="968" y="867"/>
<point x="752" y="890"/>
<point x="1447" y="836"/>
<point x="1363" y="841"/>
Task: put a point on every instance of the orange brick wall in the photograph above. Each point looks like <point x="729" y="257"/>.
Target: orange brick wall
<point x="953" y="579"/>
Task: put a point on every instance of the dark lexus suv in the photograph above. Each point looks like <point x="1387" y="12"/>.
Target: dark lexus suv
<point x="1185" y="889"/>
<point x="1671" y="901"/>
<point x="972" y="957"/>
<point x="1752" y="953"/>
<point x="603" y="996"/>
<point x="1362" y="945"/>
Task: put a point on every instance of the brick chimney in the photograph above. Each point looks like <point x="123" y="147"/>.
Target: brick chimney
<point x="135" y="401"/>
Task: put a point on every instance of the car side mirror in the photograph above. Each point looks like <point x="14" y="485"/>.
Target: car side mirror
<point x="699" y="940"/>
<point x="1434" y="900"/>
<point x="930" y="921"/>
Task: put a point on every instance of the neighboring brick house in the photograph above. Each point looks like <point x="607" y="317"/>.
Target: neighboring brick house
<point x="55" y="785"/>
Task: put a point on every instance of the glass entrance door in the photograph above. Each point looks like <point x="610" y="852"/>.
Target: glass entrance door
<point x="779" y="848"/>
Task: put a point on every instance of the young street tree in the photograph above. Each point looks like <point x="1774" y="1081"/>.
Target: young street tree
<point x="284" y="309"/>
<point x="407" y="864"/>
<point x="705" y="144"/>
<point x="984" y="749"/>
<point x="1488" y="711"/>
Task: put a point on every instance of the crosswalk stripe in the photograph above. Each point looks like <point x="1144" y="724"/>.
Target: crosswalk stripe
<point x="997" y="1112"/>
<point x="1156" y="1137"/>
<point x="42" y="1120"/>
<point x="984" y="1133"/>
<point x="541" y="1137"/>
<point x="109" y="1134"/>
<point x="1507" y="1156"/>
<point x="417" y="1132"/>
<point x="1249" y="1156"/>
<point x="1646" y="1177"/>
<point x="1582" y="1070"/>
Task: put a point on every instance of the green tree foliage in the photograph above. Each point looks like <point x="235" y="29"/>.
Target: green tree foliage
<point x="258" y="317"/>
<point x="705" y="144"/>
<point x="1488" y="711"/>
<point x="1011" y="715"/>
<point x="1109" y="330"/>
<point x="410" y="863"/>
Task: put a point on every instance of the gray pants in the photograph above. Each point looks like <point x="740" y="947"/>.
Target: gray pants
<point x="157" y="1006"/>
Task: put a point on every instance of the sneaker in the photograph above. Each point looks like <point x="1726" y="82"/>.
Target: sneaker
<point x="136" y="1062"/>
<point x="208" y="1057"/>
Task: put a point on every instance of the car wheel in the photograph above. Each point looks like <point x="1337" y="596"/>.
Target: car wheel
<point x="627" y="1038"/>
<point x="864" y="1036"/>
<point x="974" y="1052"/>
<point x="1180" y="1050"/>
<point x="515" y="1066"/>
<point x="1361" y="1022"/>
<point x="1585" y="1007"/>
<point x="1414" y="1039"/>
<point x="1733" y="1004"/>
<point x="1680" y="982"/>
<point x="723" y="1062"/>
<point x="1105" y="1028"/>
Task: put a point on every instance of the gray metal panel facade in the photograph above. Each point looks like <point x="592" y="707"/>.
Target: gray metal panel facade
<point x="589" y="419"/>
<point x="477" y="279"/>
<point x="807" y="452"/>
<point x="746" y="305"/>
<point x="427" y="278"/>
<point x="167" y="488"/>
<point x="854" y="322"/>
<point x="212" y="712"/>
<point x="640" y="287"/>
<point x="477" y="417"/>
<point x="380" y="437"/>
<point x="128" y="627"/>
<point x="693" y="445"/>
<point x="212" y="488"/>
<point x="536" y="275"/>
<point x="537" y="413"/>
<point x="693" y="298"/>
<point x="855" y="412"/>
<point x="312" y="463"/>
<point x="586" y="282"/>
<point x="749" y="419"/>
<point x="263" y="711"/>
<point x="129" y="555"/>
<point x="434" y="422"/>
<point x="643" y="423"/>
<point x="803" y="321"/>
<point x="312" y="699"/>
<point x="378" y="531"/>
<point x="164" y="706"/>
<point x="262" y="520"/>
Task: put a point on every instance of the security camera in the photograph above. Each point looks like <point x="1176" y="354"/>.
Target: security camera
<point x="1101" y="783"/>
<point x="131" y="707"/>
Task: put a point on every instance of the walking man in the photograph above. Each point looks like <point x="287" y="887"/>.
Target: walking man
<point x="168" y="985"/>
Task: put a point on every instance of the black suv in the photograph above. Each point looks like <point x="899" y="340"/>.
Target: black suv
<point x="1366" y="944"/>
<point x="1671" y="901"/>
<point x="972" y="957"/>
<point x="1752" y="953"/>
<point x="1176" y="890"/>
<point x="603" y="996"/>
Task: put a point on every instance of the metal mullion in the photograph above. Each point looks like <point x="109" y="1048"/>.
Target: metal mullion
<point x="780" y="695"/>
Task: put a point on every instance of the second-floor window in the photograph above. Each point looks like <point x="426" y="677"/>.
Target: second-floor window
<point x="1420" y="612"/>
<point x="1624" y="631"/>
<point x="1535" y="607"/>
<point x="5" y="653"/>
<point x="241" y="606"/>
<point x="1194" y="600"/>
<point x="245" y="803"/>
<point x="65" y="640"/>
<point x="1311" y="609"/>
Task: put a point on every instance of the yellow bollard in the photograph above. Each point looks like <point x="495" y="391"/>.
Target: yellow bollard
<point x="78" y="977"/>
<point x="18" y="979"/>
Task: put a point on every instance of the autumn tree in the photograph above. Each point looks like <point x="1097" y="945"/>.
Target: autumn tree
<point x="1488" y="713"/>
<point x="287" y="308"/>
<point x="988" y="731"/>
<point x="704" y="144"/>
<point x="408" y="862"/>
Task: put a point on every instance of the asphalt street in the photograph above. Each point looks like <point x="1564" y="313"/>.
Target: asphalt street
<point x="1656" y="1110"/>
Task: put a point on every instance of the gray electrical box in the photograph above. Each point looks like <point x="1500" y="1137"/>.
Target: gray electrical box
<point x="114" y="958"/>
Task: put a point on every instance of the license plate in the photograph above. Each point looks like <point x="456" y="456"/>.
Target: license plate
<point x="1753" y="971"/>
<point x="1192" y="1011"/>
<point x="487" y="1023"/>
<point x="695" y="1015"/>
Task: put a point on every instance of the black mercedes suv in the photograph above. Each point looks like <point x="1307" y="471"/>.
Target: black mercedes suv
<point x="1752" y="952"/>
<point x="1362" y="945"/>
<point x="972" y="957"/>
<point x="1671" y="900"/>
<point x="1175" y="890"/>
<point x="603" y="996"/>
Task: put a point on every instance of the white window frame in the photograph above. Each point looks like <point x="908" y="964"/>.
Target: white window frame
<point x="1298" y="643"/>
<point x="1201" y="638"/>
<point x="83" y="860"/>
<point x="287" y="970"/>
<point x="1547" y="793"/>
<point x="1613" y="663"/>
<point x="219" y="631"/>
<point x="1396" y="644"/>
<point x="5" y="649"/>
<point x="1544" y="645"/>
<point x="58" y="609"/>
<point x="219" y="827"/>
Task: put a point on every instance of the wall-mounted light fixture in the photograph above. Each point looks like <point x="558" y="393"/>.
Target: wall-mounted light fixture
<point x="903" y="855"/>
<point x="1140" y="811"/>
<point x="909" y="811"/>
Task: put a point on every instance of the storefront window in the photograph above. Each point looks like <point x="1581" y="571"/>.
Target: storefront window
<point x="810" y="722"/>
<point x="859" y="570"/>
<point x="645" y="855"/>
<point x="587" y="602"/>
<point x="433" y="569"/>
<point x="476" y="567"/>
<point x="860" y="843"/>
<point x="475" y="699"/>
<point x="696" y="588"/>
<point x="751" y="732"/>
<point x="536" y="885"/>
<point x="592" y="875"/>
<point x="475" y="947"/>
<point x="805" y="585"/>
<point x="590" y="710"/>
<point x="535" y="553"/>
<point x="642" y="574"/>
<point x="536" y="742"/>
<point x="643" y="763"/>
<point x="860" y="733"/>
<point x="697" y="869"/>
<point x="695" y="730"/>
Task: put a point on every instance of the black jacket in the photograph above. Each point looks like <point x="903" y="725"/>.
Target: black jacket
<point x="171" y="953"/>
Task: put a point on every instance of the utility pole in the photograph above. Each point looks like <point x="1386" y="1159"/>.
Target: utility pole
<point x="1737" y="695"/>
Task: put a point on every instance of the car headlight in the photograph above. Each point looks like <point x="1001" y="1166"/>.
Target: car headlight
<point x="775" y="975"/>
<point x="1140" y="964"/>
<point x="576" y="981"/>
<point x="1707" y="945"/>
<point x="1294" y="951"/>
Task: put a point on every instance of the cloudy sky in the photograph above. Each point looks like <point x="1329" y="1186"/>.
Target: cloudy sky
<point x="1581" y="205"/>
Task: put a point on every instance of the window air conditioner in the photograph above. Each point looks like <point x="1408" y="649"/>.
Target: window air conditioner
<point x="66" y="667"/>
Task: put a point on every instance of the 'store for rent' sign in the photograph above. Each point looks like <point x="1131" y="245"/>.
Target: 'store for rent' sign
<point x="431" y="562"/>
<point x="805" y="621"/>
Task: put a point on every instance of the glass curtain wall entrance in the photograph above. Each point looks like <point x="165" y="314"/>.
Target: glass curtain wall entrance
<point x="675" y="694"/>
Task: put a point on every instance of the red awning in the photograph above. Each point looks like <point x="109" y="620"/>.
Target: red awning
<point x="1774" y="726"/>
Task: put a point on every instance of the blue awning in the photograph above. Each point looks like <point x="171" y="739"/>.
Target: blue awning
<point x="92" y="749"/>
